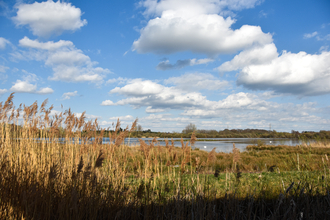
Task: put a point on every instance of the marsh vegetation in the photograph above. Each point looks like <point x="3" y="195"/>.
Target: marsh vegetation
<point x="52" y="180"/>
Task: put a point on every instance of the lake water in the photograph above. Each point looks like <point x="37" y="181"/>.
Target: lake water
<point x="220" y="144"/>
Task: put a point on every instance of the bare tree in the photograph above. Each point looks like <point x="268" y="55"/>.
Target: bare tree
<point x="138" y="128"/>
<point x="189" y="128"/>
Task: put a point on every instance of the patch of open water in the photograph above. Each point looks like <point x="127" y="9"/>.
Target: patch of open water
<point x="220" y="144"/>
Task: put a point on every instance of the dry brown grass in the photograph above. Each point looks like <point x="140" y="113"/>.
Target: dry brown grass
<point x="47" y="179"/>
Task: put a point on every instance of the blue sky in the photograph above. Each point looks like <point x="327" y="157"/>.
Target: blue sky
<point x="216" y="63"/>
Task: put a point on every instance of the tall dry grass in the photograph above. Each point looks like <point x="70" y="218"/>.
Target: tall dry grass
<point x="83" y="178"/>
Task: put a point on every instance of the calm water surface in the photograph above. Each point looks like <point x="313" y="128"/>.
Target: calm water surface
<point x="220" y="144"/>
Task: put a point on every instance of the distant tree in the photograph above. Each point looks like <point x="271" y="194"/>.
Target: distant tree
<point x="189" y="128"/>
<point x="138" y="128"/>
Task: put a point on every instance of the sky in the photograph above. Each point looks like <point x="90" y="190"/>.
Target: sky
<point x="236" y="64"/>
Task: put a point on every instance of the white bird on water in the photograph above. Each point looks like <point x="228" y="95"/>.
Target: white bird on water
<point x="204" y="146"/>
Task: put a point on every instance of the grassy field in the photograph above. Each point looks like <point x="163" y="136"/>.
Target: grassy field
<point x="45" y="179"/>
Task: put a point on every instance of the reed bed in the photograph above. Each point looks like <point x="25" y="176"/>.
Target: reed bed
<point x="83" y="178"/>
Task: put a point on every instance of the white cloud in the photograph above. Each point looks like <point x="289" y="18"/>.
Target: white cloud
<point x="238" y="102"/>
<point x="68" y="95"/>
<point x="118" y="80"/>
<point x="138" y="87"/>
<point x="149" y="109"/>
<point x="68" y="63"/>
<point x="3" y="43"/>
<point x="193" y="7"/>
<point x="78" y="74"/>
<point x="195" y="25"/>
<point x="3" y="91"/>
<point x="107" y="102"/>
<point x="252" y="56"/>
<point x="237" y="109"/>
<point x="197" y="81"/>
<point x="22" y="86"/>
<point x="200" y="61"/>
<point x="3" y="69"/>
<point x="46" y="90"/>
<point x="324" y="48"/>
<point x="242" y="4"/>
<point x="209" y="34"/>
<point x="123" y="118"/>
<point x="155" y="118"/>
<point x="306" y="36"/>
<point x="165" y="65"/>
<point x="29" y="77"/>
<point x="157" y="98"/>
<point x="294" y="73"/>
<point x="50" y="45"/>
<point x="26" y="86"/>
<point x="49" y="18"/>
<point x="148" y="93"/>
<point x="248" y="109"/>
<point x="326" y="37"/>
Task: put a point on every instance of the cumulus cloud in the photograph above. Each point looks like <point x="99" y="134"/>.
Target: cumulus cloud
<point x="300" y="74"/>
<point x="46" y="90"/>
<point x="198" y="81"/>
<point x="165" y="65"/>
<point x="3" y="43"/>
<point x="241" y="102"/>
<point x="148" y="93"/>
<point x="250" y="110"/>
<point x="252" y="56"/>
<point x="195" y="25"/>
<point x="68" y="95"/>
<point x="158" y="98"/>
<point x="26" y="87"/>
<point x="3" y="91"/>
<point x="49" y="18"/>
<point x="139" y="87"/>
<point x="68" y="63"/>
<point x="107" y="102"/>
<point x="238" y="109"/>
<point x="206" y="33"/>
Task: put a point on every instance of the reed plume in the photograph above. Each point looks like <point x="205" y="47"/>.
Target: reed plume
<point x="236" y="154"/>
<point x="211" y="157"/>
<point x="193" y="138"/>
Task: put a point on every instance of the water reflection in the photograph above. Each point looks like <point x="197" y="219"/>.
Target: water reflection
<point x="207" y="144"/>
<point x="222" y="144"/>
